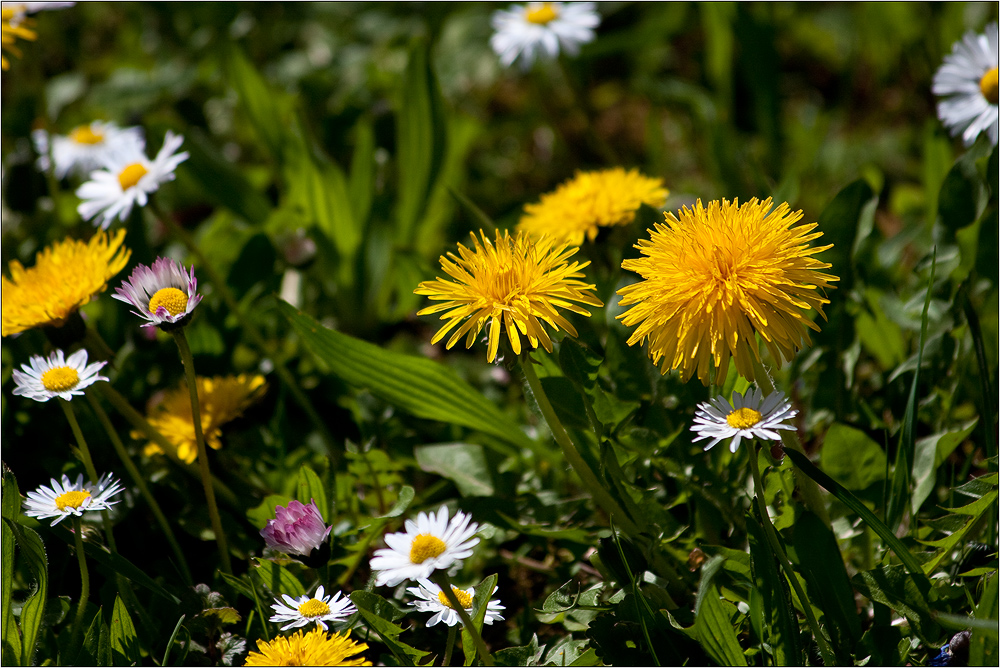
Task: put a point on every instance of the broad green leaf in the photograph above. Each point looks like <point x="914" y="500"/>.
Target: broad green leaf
<point x="852" y="502"/>
<point x="979" y="487"/>
<point x="124" y="643"/>
<point x="894" y="587"/>
<point x="851" y="458"/>
<point x="777" y="612"/>
<point x="11" y="653"/>
<point x="562" y="599"/>
<point x="417" y="385"/>
<point x="270" y="112"/>
<point x="33" y="551"/>
<point x="845" y="222"/>
<point x="361" y="182"/>
<point x="403" y="501"/>
<point x="239" y="584"/>
<point x="379" y="616"/>
<point x="97" y="642"/>
<point x="221" y="182"/>
<point x="526" y="655"/>
<point x="931" y="452"/>
<point x="420" y="135"/>
<point x="566" y="401"/>
<point x="829" y="587"/>
<point x="983" y="644"/>
<point x="11" y="496"/>
<point x="462" y="463"/>
<point x="713" y="621"/>
<point x="480" y="601"/>
<point x="121" y="566"/>
<point x="310" y="488"/>
<point x="276" y="578"/>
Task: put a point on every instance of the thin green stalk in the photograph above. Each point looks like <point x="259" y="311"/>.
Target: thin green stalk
<point x="449" y="645"/>
<point x="790" y="439"/>
<point x="571" y="453"/>
<point x="772" y="537"/>
<point x="140" y="482"/>
<point x="250" y="328"/>
<point x="81" y="605"/>
<point x="441" y="579"/>
<point x="206" y="475"/>
<point x="88" y="462"/>
<point x="152" y="433"/>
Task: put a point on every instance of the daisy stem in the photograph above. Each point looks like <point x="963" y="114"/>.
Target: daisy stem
<point x="161" y="519"/>
<point x="199" y="437"/>
<point x="153" y="434"/>
<point x="250" y="329"/>
<point x="571" y="453"/>
<point x="88" y="463"/>
<point x="81" y="605"/>
<point x="441" y="579"/>
<point x="790" y="439"/>
<point x="449" y="645"/>
<point x="772" y="537"/>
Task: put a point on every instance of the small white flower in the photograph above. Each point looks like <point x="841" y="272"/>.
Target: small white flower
<point x="968" y="80"/>
<point x="86" y="148"/>
<point x="63" y="499"/>
<point x="163" y="294"/>
<point x="307" y="609"/>
<point x="542" y="28"/>
<point x="429" y="544"/>
<point x="128" y="178"/>
<point x="432" y="599"/>
<point x="746" y="417"/>
<point x="41" y="379"/>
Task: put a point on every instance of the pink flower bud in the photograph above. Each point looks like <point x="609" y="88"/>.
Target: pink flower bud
<point x="297" y="529"/>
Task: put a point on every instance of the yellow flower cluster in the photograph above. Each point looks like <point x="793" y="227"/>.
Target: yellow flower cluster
<point x="315" y="648"/>
<point x="14" y="25"/>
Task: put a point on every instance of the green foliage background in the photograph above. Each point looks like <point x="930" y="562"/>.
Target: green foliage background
<point x="385" y="133"/>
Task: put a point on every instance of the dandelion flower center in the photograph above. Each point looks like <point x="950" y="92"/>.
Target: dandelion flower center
<point x="60" y="379"/>
<point x="72" y="499"/>
<point x="743" y="418"/>
<point x="130" y="176"/>
<point x="84" y="135"/>
<point x="172" y="299"/>
<point x="990" y="87"/>
<point x="542" y="15"/>
<point x="314" y="608"/>
<point x="426" y="546"/>
<point x="464" y="599"/>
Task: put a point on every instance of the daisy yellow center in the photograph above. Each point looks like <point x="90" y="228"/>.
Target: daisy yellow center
<point x="172" y="299"/>
<point x="464" y="599"/>
<point x="72" y="499"/>
<point x="60" y="379"/>
<point x="743" y="418"/>
<point x="542" y="15"/>
<point x="314" y="608"/>
<point x="130" y="176"/>
<point x="84" y="135"/>
<point x="989" y="86"/>
<point x="426" y="546"/>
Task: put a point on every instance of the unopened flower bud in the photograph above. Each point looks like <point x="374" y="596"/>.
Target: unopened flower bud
<point x="297" y="529"/>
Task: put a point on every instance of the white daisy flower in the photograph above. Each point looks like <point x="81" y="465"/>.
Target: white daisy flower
<point x="746" y="417"/>
<point x="542" y="28"/>
<point x="429" y="544"/>
<point x="41" y="379"/>
<point x="432" y="599"/>
<point x="63" y="499"/>
<point x="308" y="609"/>
<point x="128" y="178"/>
<point x="968" y="80"/>
<point x="86" y="148"/>
<point x="164" y="294"/>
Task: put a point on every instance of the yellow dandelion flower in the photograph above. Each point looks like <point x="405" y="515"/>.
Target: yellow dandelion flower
<point x="14" y="25"/>
<point x="591" y="200"/>
<point x="513" y="282"/>
<point x="221" y="399"/>
<point x="66" y="276"/>
<point x="315" y="648"/>
<point x="715" y="277"/>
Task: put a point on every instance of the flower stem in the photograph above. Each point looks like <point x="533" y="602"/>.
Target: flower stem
<point x="449" y="645"/>
<point x="790" y="439"/>
<point x="571" y="453"/>
<point x="88" y="462"/>
<point x="140" y="482"/>
<point x="441" y="579"/>
<point x="772" y="537"/>
<point x="199" y="437"/>
<point x="153" y="434"/>
<point x="81" y="605"/>
<point x="219" y="282"/>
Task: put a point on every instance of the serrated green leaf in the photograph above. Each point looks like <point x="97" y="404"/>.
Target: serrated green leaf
<point x="225" y="615"/>
<point x="417" y="385"/>
<point x="124" y="643"/>
<point x="463" y="463"/>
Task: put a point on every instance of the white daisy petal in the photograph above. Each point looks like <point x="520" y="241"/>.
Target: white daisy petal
<point x="748" y="416"/>
<point x="318" y="609"/>
<point x="430" y="599"/>
<point x="429" y="544"/>
<point x="164" y="293"/>
<point x="85" y="148"/>
<point x="44" y="378"/>
<point x="64" y="498"/>
<point x="967" y="82"/>
<point x="522" y="31"/>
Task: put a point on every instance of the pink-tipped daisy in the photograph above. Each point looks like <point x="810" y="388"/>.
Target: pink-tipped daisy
<point x="164" y="293"/>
